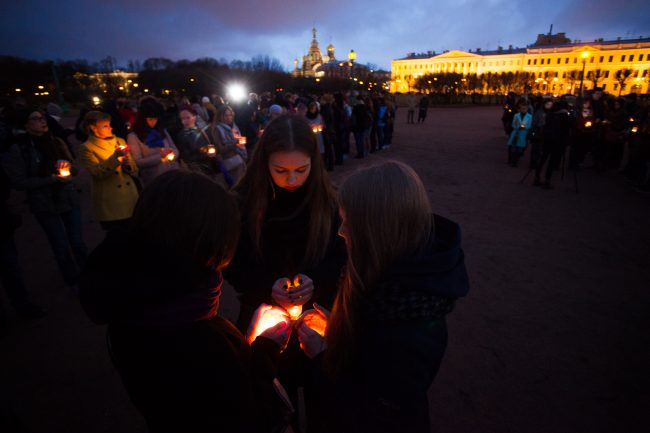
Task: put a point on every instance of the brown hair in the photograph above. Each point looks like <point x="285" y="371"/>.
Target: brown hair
<point x="221" y="110"/>
<point x="256" y="189"/>
<point x="91" y="118"/>
<point x="167" y="216"/>
<point x="387" y="215"/>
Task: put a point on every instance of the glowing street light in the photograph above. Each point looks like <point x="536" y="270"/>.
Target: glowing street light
<point x="236" y="92"/>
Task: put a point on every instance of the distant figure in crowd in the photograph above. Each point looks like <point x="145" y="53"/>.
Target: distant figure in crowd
<point x="150" y="143"/>
<point x="411" y="103"/>
<point x="521" y="124"/>
<point x="158" y="287"/>
<point x="556" y="136"/>
<point x="41" y="165"/>
<point x="224" y="133"/>
<point x="112" y="167"/>
<point x="423" y="107"/>
<point x="385" y="339"/>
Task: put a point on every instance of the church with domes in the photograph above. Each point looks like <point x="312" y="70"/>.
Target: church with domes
<point x="315" y="65"/>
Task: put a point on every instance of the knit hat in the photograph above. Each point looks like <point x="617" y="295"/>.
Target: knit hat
<point x="205" y="100"/>
<point x="54" y="109"/>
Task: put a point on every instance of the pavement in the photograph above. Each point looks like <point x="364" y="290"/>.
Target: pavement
<point x="554" y="335"/>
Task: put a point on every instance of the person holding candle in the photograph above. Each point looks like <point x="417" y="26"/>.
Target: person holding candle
<point x="150" y="143"/>
<point x="41" y="165"/>
<point x="386" y="336"/>
<point x="288" y="253"/>
<point x="158" y="286"/>
<point x="225" y="134"/>
<point x="113" y="170"/>
<point x="197" y="151"/>
<point x="316" y="122"/>
<point x="521" y="124"/>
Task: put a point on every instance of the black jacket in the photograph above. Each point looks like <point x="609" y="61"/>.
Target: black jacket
<point x="402" y="343"/>
<point x="284" y="241"/>
<point x="184" y="368"/>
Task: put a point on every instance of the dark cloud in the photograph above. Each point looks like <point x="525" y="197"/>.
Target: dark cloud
<point x="378" y="30"/>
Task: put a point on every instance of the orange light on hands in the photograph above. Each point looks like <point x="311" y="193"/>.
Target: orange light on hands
<point x="294" y="312"/>
<point x="266" y="317"/>
<point x="315" y="321"/>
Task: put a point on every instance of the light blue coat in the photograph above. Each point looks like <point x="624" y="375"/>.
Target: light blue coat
<point x="518" y="134"/>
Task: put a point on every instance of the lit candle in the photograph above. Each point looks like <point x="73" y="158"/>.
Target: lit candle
<point x="64" y="172"/>
<point x="268" y="319"/>
<point x="522" y="125"/>
<point x="635" y="129"/>
<point x="242" y="141"/>
<point x="315" y="129"/>
<point x="294" y="312"/>
<point x="587" y="124"/>
<point x="170" y="156"/>
<point x="211" y="150"/>
<point x="122" y="147"/>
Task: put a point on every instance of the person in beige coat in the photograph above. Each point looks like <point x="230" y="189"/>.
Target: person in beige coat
<point x="152" y="147"/>
<point x="112" y="167"/>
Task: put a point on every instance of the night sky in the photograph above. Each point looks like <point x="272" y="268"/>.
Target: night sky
<point x="378" y="30"/>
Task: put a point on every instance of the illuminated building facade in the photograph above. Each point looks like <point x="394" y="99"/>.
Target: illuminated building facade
<point x="554" y="64"/>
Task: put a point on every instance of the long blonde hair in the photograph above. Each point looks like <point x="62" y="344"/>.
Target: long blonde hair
<point x="387" y="215"/>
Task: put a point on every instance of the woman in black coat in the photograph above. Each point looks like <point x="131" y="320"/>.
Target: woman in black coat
<point x="158" y="287"/>
<point x="387" y="334"/>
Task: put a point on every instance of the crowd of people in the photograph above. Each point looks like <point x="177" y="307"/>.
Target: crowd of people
<point x="598" y="131"/>
<point x="192" y="194"/>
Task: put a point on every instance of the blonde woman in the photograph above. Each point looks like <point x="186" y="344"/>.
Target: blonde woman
<point x="386" y="336"/>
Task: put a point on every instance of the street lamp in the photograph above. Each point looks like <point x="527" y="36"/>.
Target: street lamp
<point x="585" y="54"/>
<point x="352" y="56"/>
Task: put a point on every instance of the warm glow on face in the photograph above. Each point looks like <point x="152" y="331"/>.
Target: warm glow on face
<point x="289" y="169"/>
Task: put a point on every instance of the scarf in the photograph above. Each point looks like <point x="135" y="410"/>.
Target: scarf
<point x="154" y="139"/>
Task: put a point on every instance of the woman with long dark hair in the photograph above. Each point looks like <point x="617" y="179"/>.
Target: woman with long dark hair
<point x="289" y="216"/>
<point x="386" y="336"/>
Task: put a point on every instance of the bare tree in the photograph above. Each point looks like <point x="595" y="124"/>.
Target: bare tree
<point x="622" y="76"/>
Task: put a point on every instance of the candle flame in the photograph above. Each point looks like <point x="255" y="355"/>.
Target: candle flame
<point x="170" y="156"/>
<point x="64" y="172"/>
<point x="588" y="125"/>
<point x="212" y="150"/>
<point x="294" y="312"/>
<point x="635" y="129"/>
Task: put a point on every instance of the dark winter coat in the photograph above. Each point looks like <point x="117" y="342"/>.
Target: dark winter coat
<point x="284" y="242"/>
<point x="31" y="165"/>
<point x="402" y="342"/>
<point x="185" y="368"/>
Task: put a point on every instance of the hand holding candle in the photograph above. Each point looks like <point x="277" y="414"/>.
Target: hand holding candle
<point x="63" y="168"/>
<point x="311" y="331"/>
<point x="270" y="322"/>
<point x="209" y="150"/>
<point x="122" y="150"/>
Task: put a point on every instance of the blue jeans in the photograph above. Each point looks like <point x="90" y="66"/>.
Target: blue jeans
<point x="64" y="232"/>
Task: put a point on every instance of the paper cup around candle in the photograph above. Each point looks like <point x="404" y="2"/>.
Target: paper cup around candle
<point x="64" y="172"/>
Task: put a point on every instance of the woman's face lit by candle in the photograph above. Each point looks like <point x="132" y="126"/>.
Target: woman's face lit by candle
<point x="187" y="119"/>
<point x="289" y="169"/>
<point x="102" y="129"/>
<point x="152" y="121"/>
<point x="228" y="117"/>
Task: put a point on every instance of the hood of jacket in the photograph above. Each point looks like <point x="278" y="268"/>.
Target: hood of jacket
<point x="439" y="269"/>
<point x="129" y="282"/>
